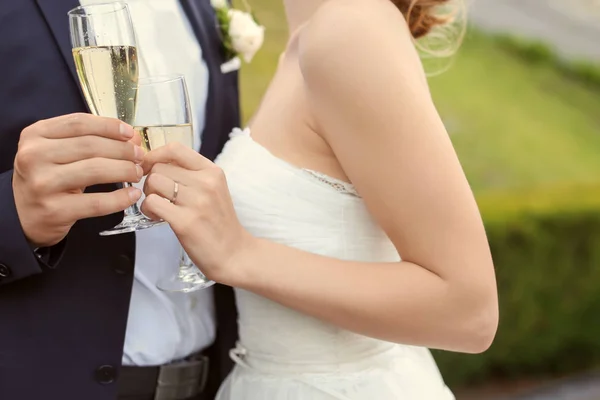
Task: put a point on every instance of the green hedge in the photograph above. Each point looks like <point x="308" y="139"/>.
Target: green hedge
<point x="546" y="248"/>
<point x="535" y="52"/>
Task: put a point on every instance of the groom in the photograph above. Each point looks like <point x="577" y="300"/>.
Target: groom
<point x="64" y="290"/>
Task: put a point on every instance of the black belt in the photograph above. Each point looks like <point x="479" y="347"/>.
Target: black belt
<point x="180" y="380"/>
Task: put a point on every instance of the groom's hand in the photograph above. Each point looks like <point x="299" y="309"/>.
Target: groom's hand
<point x="58" y="158"/>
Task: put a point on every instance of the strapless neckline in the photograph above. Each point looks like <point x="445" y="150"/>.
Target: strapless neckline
<point x="338" y="184"/>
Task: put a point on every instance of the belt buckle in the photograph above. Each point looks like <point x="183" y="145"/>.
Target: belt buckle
<point x="182" y="380"/>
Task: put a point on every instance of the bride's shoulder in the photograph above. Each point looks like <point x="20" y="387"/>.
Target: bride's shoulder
<point x="374" y="16"/>
<point x="354" y="31"/>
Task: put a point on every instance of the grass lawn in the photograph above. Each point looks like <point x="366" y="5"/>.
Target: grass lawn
<point x="513" y="124"/>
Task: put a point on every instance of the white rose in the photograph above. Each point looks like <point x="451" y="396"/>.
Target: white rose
<point x="246" y="35"/>
<point x="219" y="4"/>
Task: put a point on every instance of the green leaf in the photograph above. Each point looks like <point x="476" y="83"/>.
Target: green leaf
<point x="224" y="21"/>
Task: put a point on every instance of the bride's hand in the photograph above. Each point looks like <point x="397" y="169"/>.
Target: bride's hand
<point x="190" y="193"/>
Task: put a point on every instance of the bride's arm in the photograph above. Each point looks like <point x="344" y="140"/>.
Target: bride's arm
<point x="369" y="98"/>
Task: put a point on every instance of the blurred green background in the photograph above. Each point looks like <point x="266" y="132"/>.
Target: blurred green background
<point x="524" y="118"/>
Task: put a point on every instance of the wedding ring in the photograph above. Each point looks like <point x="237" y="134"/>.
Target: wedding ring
<point x="175" y="192"/>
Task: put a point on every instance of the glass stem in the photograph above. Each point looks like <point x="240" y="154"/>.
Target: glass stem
<point x="133" y="210"/>
<point x="186" y="262"/>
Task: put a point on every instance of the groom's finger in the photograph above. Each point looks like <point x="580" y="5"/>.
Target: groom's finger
<point x="87" y="205"/>
<point x="176" y="153"/>
<point x="81" y="124"/>
<point x="70" y="150"/>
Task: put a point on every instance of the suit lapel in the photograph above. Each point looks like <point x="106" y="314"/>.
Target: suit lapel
<point x="55" y="13"/>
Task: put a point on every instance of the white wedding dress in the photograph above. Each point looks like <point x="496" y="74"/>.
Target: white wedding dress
<point x="283" y="354"/>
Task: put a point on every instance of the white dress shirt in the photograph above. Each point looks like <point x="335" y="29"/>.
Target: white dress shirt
<point x="165" y="327"/>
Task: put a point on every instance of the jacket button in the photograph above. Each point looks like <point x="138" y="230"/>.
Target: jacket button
<point x="5" y="272"/>
<point x="106" y="374"/>
<point x="123" y="265"/>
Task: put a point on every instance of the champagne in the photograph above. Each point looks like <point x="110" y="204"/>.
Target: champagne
<point x="109" y="79"/>
<point x="156" y="136"/>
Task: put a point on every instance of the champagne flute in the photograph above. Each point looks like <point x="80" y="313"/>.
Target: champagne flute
<point x="163" y="116"/>
<point x="106" y="60"/>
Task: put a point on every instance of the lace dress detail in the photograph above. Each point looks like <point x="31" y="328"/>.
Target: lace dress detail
<point x="338" y="185"/>
<point x="283" y="354"/>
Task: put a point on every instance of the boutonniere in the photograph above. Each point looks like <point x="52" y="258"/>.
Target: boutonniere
<point x="242" y="35"/>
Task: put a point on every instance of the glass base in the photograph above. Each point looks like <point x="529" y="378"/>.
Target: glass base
<point x="187" y="281"/>
<point x="132" y="223"/>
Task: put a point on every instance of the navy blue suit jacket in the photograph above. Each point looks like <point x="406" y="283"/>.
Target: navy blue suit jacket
<point x="64" y="317"/>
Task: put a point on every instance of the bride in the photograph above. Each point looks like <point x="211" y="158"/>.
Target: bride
<point x="341" y="216"/>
